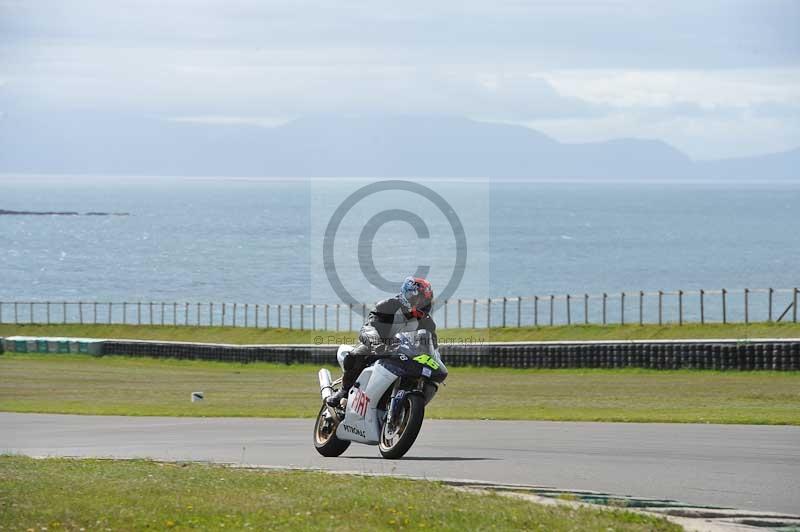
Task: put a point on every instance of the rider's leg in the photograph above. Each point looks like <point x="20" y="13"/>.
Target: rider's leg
<point x="353" y="365"/>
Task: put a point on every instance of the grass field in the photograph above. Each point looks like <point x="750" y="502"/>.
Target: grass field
<point x="243" y="335"/>
<point x="81" y="384"/>
<point x="62" y="494"/>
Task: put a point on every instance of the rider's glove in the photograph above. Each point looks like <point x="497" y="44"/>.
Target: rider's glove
<point x="369" y="336"/>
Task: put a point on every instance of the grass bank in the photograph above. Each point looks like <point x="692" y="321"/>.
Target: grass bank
<point x="81" y="384"/>
<point x="241" y="335"/>
<point x="58" y="494"/>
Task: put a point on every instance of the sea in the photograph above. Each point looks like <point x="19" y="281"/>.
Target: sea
<point x="264" y="241"/>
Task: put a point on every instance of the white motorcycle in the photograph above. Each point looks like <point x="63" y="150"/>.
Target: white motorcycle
<point x="386" y="405"/>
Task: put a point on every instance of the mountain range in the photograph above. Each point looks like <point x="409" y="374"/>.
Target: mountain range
<point x="348" y="146"/>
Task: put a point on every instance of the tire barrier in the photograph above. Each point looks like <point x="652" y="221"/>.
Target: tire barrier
<point x="744" y="355"/>
<point x="773" y="355"/>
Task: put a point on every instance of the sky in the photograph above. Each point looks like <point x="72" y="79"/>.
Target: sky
<point x="713" y="78"/>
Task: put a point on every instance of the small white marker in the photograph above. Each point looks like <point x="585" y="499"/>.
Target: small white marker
<point x="197" y="396"/>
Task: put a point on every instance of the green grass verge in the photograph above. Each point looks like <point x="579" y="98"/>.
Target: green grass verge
<point x="57" y="494"/>
<point x="81" y="384"/>
<point x="251" y="335"/>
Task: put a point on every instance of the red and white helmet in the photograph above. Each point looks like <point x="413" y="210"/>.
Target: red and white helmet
<point x="417" y="292"/>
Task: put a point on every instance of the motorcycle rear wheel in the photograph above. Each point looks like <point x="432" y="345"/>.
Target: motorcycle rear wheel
<point x="397" y="440"/>
<point x="325" y="441"/>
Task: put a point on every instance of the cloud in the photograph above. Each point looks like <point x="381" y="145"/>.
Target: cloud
<point x="576" y="68"/>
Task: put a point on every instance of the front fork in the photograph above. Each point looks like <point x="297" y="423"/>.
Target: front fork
<point x="395" y="403"/>
<point x="398" y="396"/>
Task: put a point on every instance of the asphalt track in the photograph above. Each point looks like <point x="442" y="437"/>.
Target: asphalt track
<point x="745" y="467"/>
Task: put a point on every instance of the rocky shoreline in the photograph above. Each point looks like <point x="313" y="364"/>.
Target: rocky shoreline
<point x="4" y="212"/>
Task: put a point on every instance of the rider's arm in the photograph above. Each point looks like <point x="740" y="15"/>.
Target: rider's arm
<point x="429" y="325"/>
<point x="380" y="320"/>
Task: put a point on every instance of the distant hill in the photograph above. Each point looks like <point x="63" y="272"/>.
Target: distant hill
<point x="346" y="146"/>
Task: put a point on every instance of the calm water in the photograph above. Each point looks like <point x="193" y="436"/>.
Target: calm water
<point x="260" y="241"/>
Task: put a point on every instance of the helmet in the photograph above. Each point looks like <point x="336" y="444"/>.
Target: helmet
<point x="417" y="292"/>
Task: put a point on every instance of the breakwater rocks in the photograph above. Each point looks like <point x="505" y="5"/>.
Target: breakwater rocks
<point x="5" y="212"/>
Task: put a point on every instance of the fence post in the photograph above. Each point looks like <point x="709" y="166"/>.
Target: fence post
<point x="702" y="306"/>
<point x="302" y="317"/>
<point x="162" y="313"/>
<point x="224" y="308"/>
<point x="459" y="313"/>
<point x="519" y="312"/>
<point x="233" y="321"/>
<point x="770" y="305"/>
<point x="94" y="312"/>
<point x="724" y="306"/>
<point x="266" y="315"/>
<point x="186" y="314"/>
<point x="535" y="311"/>
<point x="489" y="313"/>
<point x="660" y="306"/>
<point x="605" y="301"/>
<point x="30" y="311"/>
<point x="680" y="307"/>
<point x="211" y="314"/>
<point x="474" y="309"/>
<point x="325" y="317"/>
<point x="151" y="312"/>
<point x="291" y="320"/>
<point x="445" y="314"/>
<point x="622" y="308"/>
<point x="110" y="312"/>
<point x="64" y="311"/>
<point x="279" y="315"/>
<point x="586" y="309"/>
<point x="246" y="307"/>
<point x="569" y="310"/>
<point x="641" y="307"/>
<point x="552" y="302"/>
<point x="794" y="305"/>
<point x="337" y="316"/>
<point x="48" y="314"/>
<point x="138" y="312"/>
<point x="313" y="317"/>
<point x="80" y="312"/>
<point x="350" y="317"/>
<point x="746" y="306"/>
<point x="505" y="300"/>
<point x="174" y="313"/>
<point x="1" y="312"/>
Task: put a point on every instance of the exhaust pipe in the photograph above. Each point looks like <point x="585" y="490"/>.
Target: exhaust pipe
<point x="325" y="388"/>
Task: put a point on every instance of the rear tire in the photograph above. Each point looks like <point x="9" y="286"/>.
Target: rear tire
<point x="325" y="441"/>
<point x="396" y="441"/>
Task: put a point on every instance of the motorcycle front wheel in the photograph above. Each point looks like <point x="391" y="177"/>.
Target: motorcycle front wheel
<point x="398" y="438"/>
<point x="325" y="440"/>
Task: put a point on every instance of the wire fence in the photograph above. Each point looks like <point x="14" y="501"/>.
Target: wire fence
<point x="661" y="307"/>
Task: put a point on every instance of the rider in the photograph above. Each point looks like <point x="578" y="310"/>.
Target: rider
<point x="407" y="311"/>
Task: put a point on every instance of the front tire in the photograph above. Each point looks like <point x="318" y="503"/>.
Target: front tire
<point x="325" y="441"/>
<point x="395" y="441"/>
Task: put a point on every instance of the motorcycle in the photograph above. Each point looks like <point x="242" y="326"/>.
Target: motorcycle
<point x="386" y="405"/>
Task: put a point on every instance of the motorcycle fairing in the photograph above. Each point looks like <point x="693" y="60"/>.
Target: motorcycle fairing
<point x="373" y="382"/>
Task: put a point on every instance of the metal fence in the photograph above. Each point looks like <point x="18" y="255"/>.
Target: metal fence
<point x="661" y="307"/>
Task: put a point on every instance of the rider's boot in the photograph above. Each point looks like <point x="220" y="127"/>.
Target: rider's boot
<point x="348" y="379"/>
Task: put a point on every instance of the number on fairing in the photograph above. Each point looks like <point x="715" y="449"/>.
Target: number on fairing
<point x="426" y="360"/>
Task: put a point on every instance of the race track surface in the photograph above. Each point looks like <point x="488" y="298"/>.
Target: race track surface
<point x="746" y="467"/>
